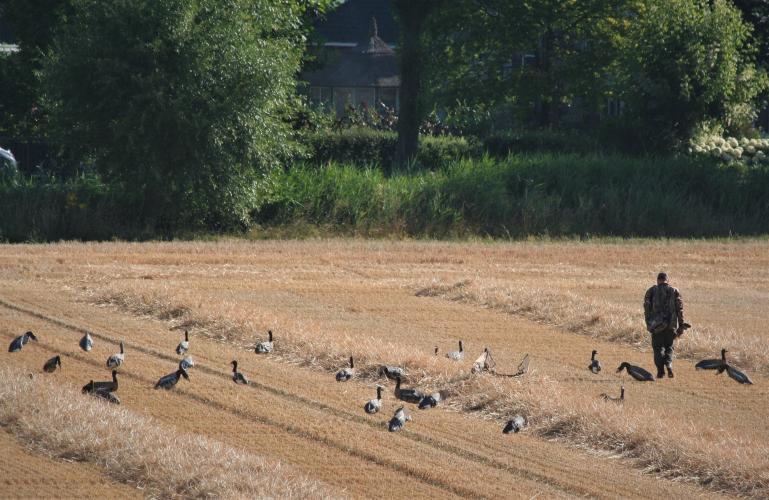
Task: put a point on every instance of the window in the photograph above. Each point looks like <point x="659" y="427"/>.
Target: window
<point x="364" y="96"/>
<point x="343" y="96"/>
<point x="321" y="96"/>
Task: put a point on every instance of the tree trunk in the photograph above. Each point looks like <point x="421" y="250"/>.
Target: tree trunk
<point x="411" y="15"/>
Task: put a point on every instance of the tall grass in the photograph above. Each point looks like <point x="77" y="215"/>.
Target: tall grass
<point x="710" y="456"/>
<point x="524" y="195"/>
<point x="136" y="450"/>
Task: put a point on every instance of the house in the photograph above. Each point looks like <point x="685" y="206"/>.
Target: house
<point x="357" y="61"/>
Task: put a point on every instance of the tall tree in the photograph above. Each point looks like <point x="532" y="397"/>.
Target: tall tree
<point x="182" y="103"/>
<point x="411" y="15"/>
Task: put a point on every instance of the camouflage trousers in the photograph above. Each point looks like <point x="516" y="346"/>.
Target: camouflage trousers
<point x="662" y="345"/>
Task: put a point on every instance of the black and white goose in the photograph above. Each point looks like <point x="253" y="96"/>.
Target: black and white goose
<point x="102" y="386"/>
<point x="595" y="365"/>
<point x="407" y="395"/>
<point x="614" y="399"/>
<point x="184" y="345"/>
<point x="636" y="372"/>
<point x="265" y="347"/>
<point x="515" y="424"/>
<point x="51" y="364"/>
<point x="86" y="342"/>
<point x="346" y="373"/>
<point x="237" y="376"/>
<point x="186" y="363"/>
<point x="399" y="420"/>
<point x="457" y="355"/>
<point x="170" y="380"/>
<point x="712" y="364"/>
<point x="21" y="341"/>
<point x="735" y="374"/>
<point x="374" y="405"/>
<point x="391" y="372"/>
<point x="117" y="360"/>
<point x="430" y="400"/>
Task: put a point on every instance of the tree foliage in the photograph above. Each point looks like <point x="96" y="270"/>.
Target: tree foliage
<point x="183" y="103"/>
<point x="686" y="63"/>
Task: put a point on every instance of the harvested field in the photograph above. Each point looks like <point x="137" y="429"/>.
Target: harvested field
<point x="695" y="435"/>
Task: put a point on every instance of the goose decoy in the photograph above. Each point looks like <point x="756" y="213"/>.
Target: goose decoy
<point x="170" y="380"/>
<point x="86" y="342"/>
<point x="595" y="365"/>
<point x="102" y="386"/>
<point x="636" y="372"/>
<point x="186" y="363"/>
<point x="735" y="374"/>
<point x="107" y="396"/>
<point x="436" y="351"/>
<point x="374" y="405"/>
<point x="407" y="395"/>
<point x="391" y="372"/>
<point x="265" y="347"/>
<point x="346" y="373"/>
<point x="184" y="345"/>
<point x="21" y="341"/>
<point x="399" y="420"/>
<point x="457" y="355"/>
<point x="430" y="400"/>
<point x="238" y="377"/>
<point x="116" y="360"/>
<point x="516" y="424"/>
<point x="712" y="364"/>
<point x="51" y="364"/>
<point x="620" y="399"/>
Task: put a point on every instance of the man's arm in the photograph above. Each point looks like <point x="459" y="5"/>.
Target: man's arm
<point x="680" y="313"/>
<point x="648" y="305"/>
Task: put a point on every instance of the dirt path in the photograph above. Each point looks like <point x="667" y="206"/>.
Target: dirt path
<point x="27" y="474"/>
<point x="307" y="419"/>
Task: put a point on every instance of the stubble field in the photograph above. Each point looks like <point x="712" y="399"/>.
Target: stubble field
<point x="392" y="302"/>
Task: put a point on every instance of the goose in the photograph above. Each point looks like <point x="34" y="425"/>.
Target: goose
<point x="435" y="352"/>
<point x="86" y="342"/>
<point x="407" y="395"/>
<point x="346" y="373"/>
<point x="735" y="374"/>
<point x="186" y="363"/>
<point x="238" y="377"/>
<point x="636" y="372"/>
<point x="595" y="365"/>
<point x="430" y="400"/>
<point x="374" y="405"/>
<point x="102" y="386"/>
<point x="51" y="364"/>
<point x="712" y="364"/>
<point x="116" y="360"/>
<point x="399" y="420"/>
<point x="391" y="372"/>
<point x="265" y="347"/>
<point x="170" y="380"/>
<point x="107" y="396"/>
<point x="184" y="345"/>
<point x="21" y="341"/>
<point x="516" y="424"/>
<point x="620" y="399"/>
<point x="457" y="355"/>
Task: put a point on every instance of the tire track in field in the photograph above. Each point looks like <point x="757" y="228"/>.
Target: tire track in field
<point x="438" y="445"/>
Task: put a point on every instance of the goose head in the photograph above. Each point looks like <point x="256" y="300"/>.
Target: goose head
<point x="58" y="360"/>
<point x="352" y="364"/>
<point x="379" y="392"/>
<point x="186" y="335"/>
<point x="181" y="372"/>
<point x="723" y="355"/>
<point x="622" y="392"/>
<point x="30" y="335"/>
<point x="460" y="346"/>
<point x="122" y="347"/>
<point x="623" y="366"/>
<point x="436" y="350"/>
<point x="269" y="335"/>
<point x="592" y="356"/>
<point x="114" y="375"/>
<point x="234" y="365"/>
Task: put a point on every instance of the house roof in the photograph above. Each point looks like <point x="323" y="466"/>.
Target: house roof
<point x="354" y="67"/>
<point x="349" y="23"/>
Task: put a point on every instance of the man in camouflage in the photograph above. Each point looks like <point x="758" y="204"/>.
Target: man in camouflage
<point x="664" y="314"/>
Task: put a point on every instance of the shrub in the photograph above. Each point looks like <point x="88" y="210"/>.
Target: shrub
<point x="366" y="147"/>
<point x="501" y="144"/>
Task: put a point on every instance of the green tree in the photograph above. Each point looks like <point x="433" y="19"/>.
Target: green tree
<point x="686" y="63"/>
<point x="182" y="103"/>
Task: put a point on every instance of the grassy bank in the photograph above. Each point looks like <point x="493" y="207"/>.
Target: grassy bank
<point x="523" y="195"/>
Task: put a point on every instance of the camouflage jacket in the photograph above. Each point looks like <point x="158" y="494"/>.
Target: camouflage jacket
<point x="664" y="300"/>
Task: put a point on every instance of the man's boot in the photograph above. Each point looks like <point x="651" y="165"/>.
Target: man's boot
<point x="660" y="372"/>
<point x="670" y="370"/>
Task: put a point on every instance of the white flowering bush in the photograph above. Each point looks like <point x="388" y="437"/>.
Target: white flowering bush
<point x="730" y="149"/>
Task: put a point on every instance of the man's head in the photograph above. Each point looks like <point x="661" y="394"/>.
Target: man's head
<point x="662" y="278"/>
